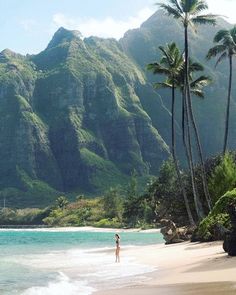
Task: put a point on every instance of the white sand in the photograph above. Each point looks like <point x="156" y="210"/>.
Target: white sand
<point x="184" y="267"/>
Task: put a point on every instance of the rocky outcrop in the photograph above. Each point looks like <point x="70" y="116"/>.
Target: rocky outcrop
<point x="230" y="237"/>
<point x="172" y="234"/>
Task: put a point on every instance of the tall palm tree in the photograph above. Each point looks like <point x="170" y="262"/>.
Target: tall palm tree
<point x="196" y="87"/>
<point x="225" y="49"/>
<point x="189" y="13"/>
<point x="170" y="65"/>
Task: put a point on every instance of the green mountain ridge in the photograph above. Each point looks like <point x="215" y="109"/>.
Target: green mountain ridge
<point x="82" y="115"/>
<point x="71" y="119"/>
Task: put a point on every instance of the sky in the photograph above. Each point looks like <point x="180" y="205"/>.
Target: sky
<point x="26" y="26"/>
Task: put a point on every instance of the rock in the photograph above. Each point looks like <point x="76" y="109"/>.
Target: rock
<point x="172" y="234"/>
<point x="229" y="244"/>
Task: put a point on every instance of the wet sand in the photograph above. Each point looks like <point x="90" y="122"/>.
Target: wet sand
<point x="228" y="288"/>
<point x="186" y="268"/>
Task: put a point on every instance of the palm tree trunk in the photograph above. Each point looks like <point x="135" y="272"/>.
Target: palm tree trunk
<point x="183" y="119"/>
<point x="197" y="201"/>
<point x="180" y="180"/>
<point x="228" y="104"/>
<point x="199" y="147"/>
<point x="189" y="154"/>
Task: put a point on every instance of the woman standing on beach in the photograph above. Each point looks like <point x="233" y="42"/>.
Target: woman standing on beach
<point x="117" y="238"/>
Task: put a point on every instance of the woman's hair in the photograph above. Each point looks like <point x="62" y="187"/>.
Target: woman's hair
<point x="117" y="236"/>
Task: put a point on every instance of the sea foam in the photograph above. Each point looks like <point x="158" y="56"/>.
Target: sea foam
<point x="63" y="285"/>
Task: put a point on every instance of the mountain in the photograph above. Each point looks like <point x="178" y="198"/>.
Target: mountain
<point x="142" y="46"/>
<point x="71" y="120"/>
<point x="81" y="115"/>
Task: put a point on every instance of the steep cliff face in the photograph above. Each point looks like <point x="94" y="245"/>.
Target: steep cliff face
<point x="82" y="115"/>
<point x="72" y="118"/>
<point x="97" y="119"/>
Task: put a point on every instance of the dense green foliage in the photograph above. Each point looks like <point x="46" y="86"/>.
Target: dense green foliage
<point x="223" y="178"/>
<point x="163" y="194"/>
<point x="81" y="115"/>
<point x="116" y="208"/>
<point x="209" y="228"/>
<point x="27" y="216"/>
<point x="104" y="122"/>
<point x="72" y="121"/>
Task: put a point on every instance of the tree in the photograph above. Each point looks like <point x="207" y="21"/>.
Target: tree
<point x="62" y="202"/>
<point x="196" y="88"/>
<point x="223" y="178"/>
<point x="171" y="65"/>
<point x="225" y="49"/>
<point x="163" y="195"/>
<point x="189" y="13"/>
<point x="132" y="203"/>
<point x="113" y="204"/>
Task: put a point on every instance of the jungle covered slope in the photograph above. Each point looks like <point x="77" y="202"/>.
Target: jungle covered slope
<point x="82" y="115"/>
<point x="71" y="120"/>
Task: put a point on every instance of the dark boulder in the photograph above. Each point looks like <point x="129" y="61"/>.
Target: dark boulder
<point x="229" y="244"/>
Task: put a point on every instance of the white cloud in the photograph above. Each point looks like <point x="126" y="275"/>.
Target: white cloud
<point x="108" y="27"/>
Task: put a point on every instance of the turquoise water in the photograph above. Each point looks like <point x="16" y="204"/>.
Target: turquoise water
<point x="48" y="263"/>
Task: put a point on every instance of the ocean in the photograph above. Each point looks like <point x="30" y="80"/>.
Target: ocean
<point x="47" y="262"/>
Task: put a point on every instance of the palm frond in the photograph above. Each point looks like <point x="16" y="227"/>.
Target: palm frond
<point x="164" y="85"/>
<point x="198" y="92"/>
<point x="176" y="4"/>
<point x="184" y="5"/>
<point x="195" y="66"/>
<point x="233" y="33"/>
<point x="208" y="19"/>
<point x="221" y="35"/>
<point x="201" y="82"/>
<point x="166" y="52"/>
<point x="214" y="51"/>
<point x="199" y="7"/>
<point x="192" y="25"/>
<point x="221" y="58"/>
<point x="156" y="68"/>
<point x="170" y="10"/>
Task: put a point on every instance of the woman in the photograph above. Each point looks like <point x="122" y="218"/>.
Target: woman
<point x="117" y="238"/>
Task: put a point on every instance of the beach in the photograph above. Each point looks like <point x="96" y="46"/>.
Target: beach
<point x="59" y="261"/>
<point x="72" y="261"/>
<point x="186" y="268"/>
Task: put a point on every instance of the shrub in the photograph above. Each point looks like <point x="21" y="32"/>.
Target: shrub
<point x="107" y="222"/>
<point x="209" y="228"/>
<point x="223" y="177"/>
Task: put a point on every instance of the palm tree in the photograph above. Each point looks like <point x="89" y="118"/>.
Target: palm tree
<point x="189" y="13"/>
<point x="225" y="49"/>
<point x="196" y="87"/>
<point x="171" y="64"/>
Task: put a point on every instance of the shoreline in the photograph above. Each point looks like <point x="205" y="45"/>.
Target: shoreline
<point x="80" y="229"/>
<point x="225" y="288"/>
<point x="186" y="268"/>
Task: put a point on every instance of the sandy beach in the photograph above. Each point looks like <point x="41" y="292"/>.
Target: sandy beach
<point x="187" y="268"/>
